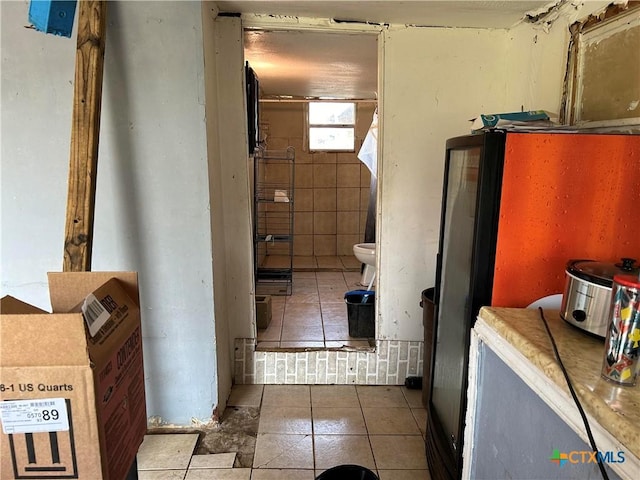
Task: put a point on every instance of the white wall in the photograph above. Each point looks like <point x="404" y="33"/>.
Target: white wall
<point x="453" y="76"/>
<point x="152" y="206"/>
<point x="229" y="175"/>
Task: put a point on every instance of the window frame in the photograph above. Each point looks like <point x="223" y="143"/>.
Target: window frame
<point x="308" y="125"/>
<point x="615" y="19"/>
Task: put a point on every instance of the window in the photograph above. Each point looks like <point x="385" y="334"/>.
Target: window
<point x="332" y="126"/>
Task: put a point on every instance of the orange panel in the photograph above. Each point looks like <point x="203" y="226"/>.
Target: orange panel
<point x="564" y="197"/>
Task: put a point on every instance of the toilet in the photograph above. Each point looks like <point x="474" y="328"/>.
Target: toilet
<point x="366" y="253"/>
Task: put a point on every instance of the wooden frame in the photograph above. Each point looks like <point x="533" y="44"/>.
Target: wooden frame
<point x="602" y="82"/>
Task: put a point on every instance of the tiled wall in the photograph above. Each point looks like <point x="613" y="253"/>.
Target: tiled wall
<point x="331" y="189"/>
<point x="389" y="364"/>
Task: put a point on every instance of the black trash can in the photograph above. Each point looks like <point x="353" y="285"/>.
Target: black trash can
<point x="428" y="312"/>
<point x="347" y="472"/>
<point x="361" y="309"/>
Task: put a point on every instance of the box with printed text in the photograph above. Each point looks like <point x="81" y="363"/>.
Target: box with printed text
<point x="72" y="399"/>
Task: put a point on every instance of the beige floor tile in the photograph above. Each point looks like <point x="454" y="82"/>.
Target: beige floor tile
<point x="330" y="279"/>
<point x="329" y="262"/>
<point x="348" y="344"/>
<point x="283" y="451"/>
<point x="336" y="332"/>
<point x="302" y="344"/>
<point x="334" y="396"/>
<point x="413" y="397"/>
<point x="332" y="295"/>
<point x="404" y="475"/>
<point x="219" y="474"/>
<point x="350" y="262"/>
<point x="399" y="452"/>
<point x="267" y="346"/>
<point x="332" y="450"/>
<point x="390" y="421"/>
<point x="213" y="460"/>
<point x="381" y="396"/>
<point x="270" y="334"/>
<point x="300" y="261"/>
<point x="304" y="275"/>
<point x="289" y="420"/>
<point x="313" y="333"/>
<point x="353" y="279"/>
<point x="166" y="452"/>
<point x="338" y="421"/>
<point x="420" y="414"/>
<point x="303" y="297"/>
<point x="245" y="396"/>
<point x="281" y="474"/>
<point x="294" y="323"/>
<point x="287" y="395"/>
<point x="302" y="314"/>
<point x="334" y="313"/>
<point x="276" y="261"/>
<point x="161" y="474"/>
<point x="277" y="309"/>
<point x="304" y="285"/>
<point x="335" y="284"/>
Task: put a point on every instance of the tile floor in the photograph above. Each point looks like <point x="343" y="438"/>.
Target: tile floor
<point x="302" y="431"/>
<point x="314" y="315"/>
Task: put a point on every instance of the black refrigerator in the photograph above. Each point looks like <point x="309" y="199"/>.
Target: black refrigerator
<point x="516" y="206"/>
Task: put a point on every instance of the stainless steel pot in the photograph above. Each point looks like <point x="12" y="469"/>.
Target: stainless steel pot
<point x="587" y="293"/>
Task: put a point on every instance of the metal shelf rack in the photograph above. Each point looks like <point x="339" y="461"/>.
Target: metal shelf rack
<point x="273" y="220"/>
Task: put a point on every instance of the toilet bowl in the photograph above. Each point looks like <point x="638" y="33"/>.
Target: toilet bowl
<point x="366" y="253"/>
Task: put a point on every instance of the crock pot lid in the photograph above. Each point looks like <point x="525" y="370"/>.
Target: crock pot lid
<point x="601" y="273"/>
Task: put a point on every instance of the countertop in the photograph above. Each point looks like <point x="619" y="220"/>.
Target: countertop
<point x="615" y="408"/>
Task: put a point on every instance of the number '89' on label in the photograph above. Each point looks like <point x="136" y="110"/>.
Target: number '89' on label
<point x="31" y="416"/>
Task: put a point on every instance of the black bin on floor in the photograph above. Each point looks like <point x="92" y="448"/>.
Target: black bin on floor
<point x="347" y="472"/>
<point x="361" y="310"/>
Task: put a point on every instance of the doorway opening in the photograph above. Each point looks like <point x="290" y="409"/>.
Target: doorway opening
<point x="332" y="189"/>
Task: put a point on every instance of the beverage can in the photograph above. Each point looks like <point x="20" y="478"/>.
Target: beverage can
<point x="622" y="342"/>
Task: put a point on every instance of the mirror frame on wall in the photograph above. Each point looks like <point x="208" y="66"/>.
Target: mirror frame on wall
<point x="587" y="61"/>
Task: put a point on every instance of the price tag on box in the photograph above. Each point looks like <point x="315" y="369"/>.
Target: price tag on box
<point x="31" y="416"/>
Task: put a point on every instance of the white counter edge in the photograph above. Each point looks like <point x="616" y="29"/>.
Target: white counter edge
<point x="554" y="396"/>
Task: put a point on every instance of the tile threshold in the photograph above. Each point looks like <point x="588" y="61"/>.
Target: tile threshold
<point x="324" y="269"/>
<point x="344" y="348"/>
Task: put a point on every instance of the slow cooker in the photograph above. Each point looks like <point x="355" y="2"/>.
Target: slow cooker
<point x="587" y="292"/>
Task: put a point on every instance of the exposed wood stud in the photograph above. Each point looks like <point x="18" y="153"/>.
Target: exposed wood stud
<point x="85" y="132"/>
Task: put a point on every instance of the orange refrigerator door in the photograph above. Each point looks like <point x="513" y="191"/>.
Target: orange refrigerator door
<point x="563" y="197"/>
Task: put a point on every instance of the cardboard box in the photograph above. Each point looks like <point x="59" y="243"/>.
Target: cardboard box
<point x="263" y="310"/>
<point x="10" y="305"/>
<point x="72" y="404"/>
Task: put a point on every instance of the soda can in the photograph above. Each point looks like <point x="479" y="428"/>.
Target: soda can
<point x="622" y="343"/>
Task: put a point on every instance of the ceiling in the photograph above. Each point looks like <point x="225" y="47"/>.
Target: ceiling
<point x="341" y="65"/>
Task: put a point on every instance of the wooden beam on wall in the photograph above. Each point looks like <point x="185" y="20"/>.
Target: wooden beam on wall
<point x="85" y="132"/>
